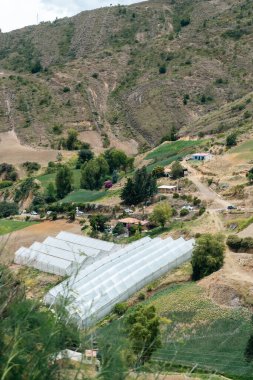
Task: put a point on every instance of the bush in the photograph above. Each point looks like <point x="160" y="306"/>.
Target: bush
<point x="185" y="21"/>
<point x="247" y="244"/>
<point x="141" y="297"/>
<point x="120" y="308"/>
<point x="234" y="242"/>
<point x="184" y="212"/>
<point x="8" y="209"/>
<point x="4" y="184"/>
<point x="202" y="210"/>
<point x="231" y="140"/>
<point x="119" y="229"/>
<point x="31" y="166"/>
<point x="162" y="69"/>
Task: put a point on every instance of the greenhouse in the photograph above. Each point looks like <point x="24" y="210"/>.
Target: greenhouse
<point x="94" y="290"/>
<point x="64" y="254"/>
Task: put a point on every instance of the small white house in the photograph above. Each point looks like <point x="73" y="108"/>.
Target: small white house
<point x="201" y="156"/>
<point x="166" y="189"/>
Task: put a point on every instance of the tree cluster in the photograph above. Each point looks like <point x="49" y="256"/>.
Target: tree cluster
<point x="140" y="188"/>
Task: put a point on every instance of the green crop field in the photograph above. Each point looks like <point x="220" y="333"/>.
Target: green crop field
<point x="81" y="196"/>
<point x="196" y="332"/>
<point x="8" y="226"/>
<point x="166" y="153"/>
<point x="47" y="178"/>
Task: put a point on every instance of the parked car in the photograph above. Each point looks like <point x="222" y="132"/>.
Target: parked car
<point x="188" y="207"/>
<point x="33" y="213"/>
<point x="128" y="211"/>
<point x="231" y="207"/>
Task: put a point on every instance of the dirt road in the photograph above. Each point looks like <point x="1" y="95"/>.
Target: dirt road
<point x="205" y="193"/>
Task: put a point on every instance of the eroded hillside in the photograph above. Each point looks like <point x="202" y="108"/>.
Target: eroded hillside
<point x="128" y="72"/>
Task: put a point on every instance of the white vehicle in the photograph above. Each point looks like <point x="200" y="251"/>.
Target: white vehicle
<point x="128" y="211"/>
<point x="188" y="207"/>
<point x="33" y="213"/>
<point x="49" y="212"/>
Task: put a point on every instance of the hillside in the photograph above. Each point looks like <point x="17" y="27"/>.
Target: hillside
<point x="131" y="72"/>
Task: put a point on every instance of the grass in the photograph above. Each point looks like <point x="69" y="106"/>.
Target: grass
<point x="166" y="153"/>
<point x="81" y="196"/>
<point x="195" y="332"/>
<point x="172" y="148"/>
<point x="47" y="178"/>
<point x="8" y="226"/>
<point x="244" y="150"/>
<point x="241" y="223"/>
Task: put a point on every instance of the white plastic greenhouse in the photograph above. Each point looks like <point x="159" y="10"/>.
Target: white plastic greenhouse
<point x="65" y="254"/>
<point x="94" y="291"/>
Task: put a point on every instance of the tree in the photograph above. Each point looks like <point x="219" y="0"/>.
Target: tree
<point x="50" y="194"/>
<point x="115" y="176"/>
<point x="31" y="335"/>
<point x="117" y="160"/>
<point x="249" y="175"/>
<point x="143" y="329"/>
<point x="8" y="209"/>
<point x="93" y="173"/>
<point x="63" y="181"/>
<point x="248" y="353"/>
<point x="231" y="140"/>
<point x="177" y="170"/>
<point x="98" y="222"/>
<point x="161" y="214"/>
<point x="71" y="141"/>
<point x="158" y="172"/>
<point x="208" y="255"/>
<point x="140" y="188"/>
<point x="84" y="155"/>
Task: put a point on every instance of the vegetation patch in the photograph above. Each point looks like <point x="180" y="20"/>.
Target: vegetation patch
<point x="8" y="226"/>
<point x="82" y="196"/>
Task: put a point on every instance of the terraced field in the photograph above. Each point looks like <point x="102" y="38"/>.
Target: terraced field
<point x="196" y="333"/>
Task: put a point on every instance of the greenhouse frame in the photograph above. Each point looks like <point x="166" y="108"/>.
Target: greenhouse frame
<point x="94" y="290"/>
<point x="65" y="254"/>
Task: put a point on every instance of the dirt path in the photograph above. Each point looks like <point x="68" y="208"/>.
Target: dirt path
<point x="206" y="194"/>
<point x="38" y="232"/>
<point x="247" y="231"/>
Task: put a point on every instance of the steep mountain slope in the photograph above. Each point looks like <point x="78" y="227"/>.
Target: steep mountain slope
<point x="131" y="72"/>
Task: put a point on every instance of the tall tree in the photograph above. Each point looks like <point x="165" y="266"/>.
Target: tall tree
<point x="177" y="170"/>
<point x="208" y="255"/>
<point x="63" y="181"/>
<point x="140" y="188"/>
<point x="143" y="329"/>
<point x="117" y="160"/>
<point x="93" y="173"/>
<point x="161" y="214"/>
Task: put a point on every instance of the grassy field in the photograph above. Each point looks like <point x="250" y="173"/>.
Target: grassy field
<point x="7" y="226"/>
<point x="244" y="150"/>
<point x="81" y="196"/>
<point x="47" y="178"/>
<point x="196" y="332"/>
<point x="169" y="152"/>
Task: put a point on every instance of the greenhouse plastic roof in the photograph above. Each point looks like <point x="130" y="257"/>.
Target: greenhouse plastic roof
<point x="94" y="290"/>
<point x="64" y="254"/>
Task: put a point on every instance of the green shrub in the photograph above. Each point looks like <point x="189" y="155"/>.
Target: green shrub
<point x="184" y="212"/>
<point x="8" y="209"/>
<point x="141" y="296"/>
<point x="120" y="308"/>
<point x="234" y="242"/>
<point x="4" y="184"/>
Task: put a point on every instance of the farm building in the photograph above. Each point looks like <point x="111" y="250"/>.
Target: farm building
<point x="128" y="222"/>
<point x="94" y="290"/>
<point x="167" y="189"/>
<point x="64" y="254"/>
<point x="201" y="156"/>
